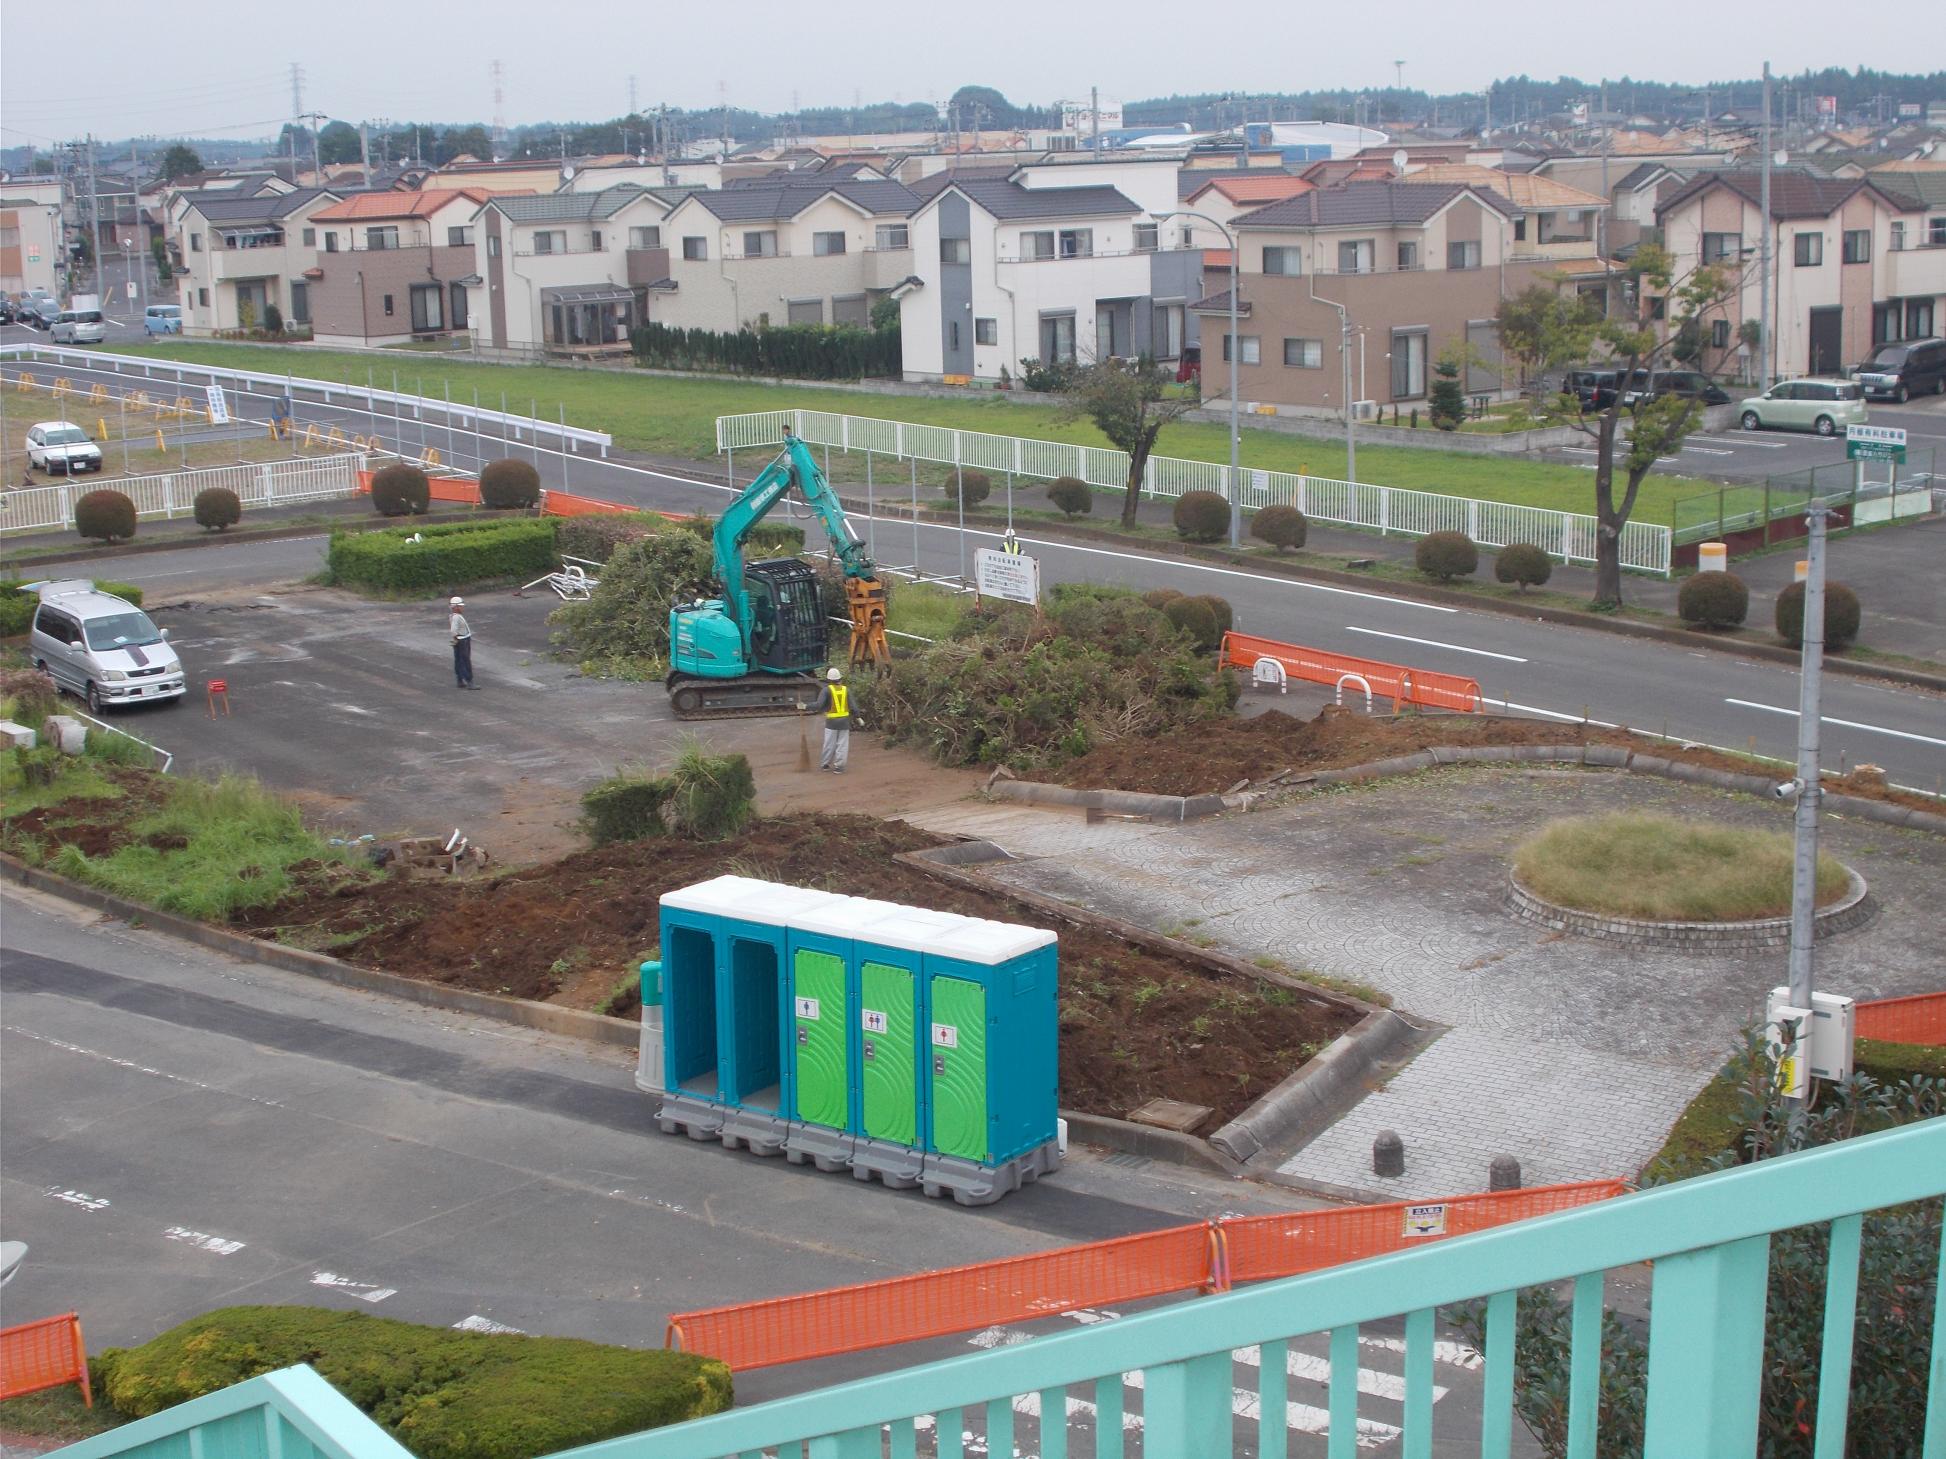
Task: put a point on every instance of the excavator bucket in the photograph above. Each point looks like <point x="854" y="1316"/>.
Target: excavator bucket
<point x="866" y="597"/>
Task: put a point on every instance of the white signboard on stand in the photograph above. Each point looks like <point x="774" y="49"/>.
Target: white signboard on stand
<point x="219" y="407"/>
<point x="998" y="574"/>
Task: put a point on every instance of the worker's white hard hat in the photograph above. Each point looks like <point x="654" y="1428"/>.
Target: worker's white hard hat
<point x="458" y="602"/>
<point x="834" y="675"/>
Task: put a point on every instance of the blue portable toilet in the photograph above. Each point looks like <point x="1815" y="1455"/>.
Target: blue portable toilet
<point x="824" y="1049"/>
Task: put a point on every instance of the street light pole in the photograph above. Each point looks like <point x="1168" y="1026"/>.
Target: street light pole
<point x="1810" y="792"/>
<point x="1236" y="354"/>
<point x="1763" y="258"/>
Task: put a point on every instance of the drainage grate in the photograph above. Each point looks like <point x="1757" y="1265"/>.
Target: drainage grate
<point x="1126" y="1160"/>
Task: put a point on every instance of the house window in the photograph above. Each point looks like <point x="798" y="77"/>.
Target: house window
<point x="195" y="243"/>
<point x="1249" y="349"/>
<point x="952" y="337"/>
<point x="891" y="235"/>
<point x="1719" y="334"/>
<point x="824" y="245"/>
<point x="1304" y="354"/>
<point x="202" y="298"/>
<point x="1037" y="245"/>
<point x="1898" y="235"/>
<point x="1186" y="236"/>
<point x="1463" y="255"/>
<point x="330" y="242"/>
<point x="1808" y="249"/>
<point x="457" y="313"/>
<point x="806" y="311"/>
<point x="1408" y="257"/>
<point x="1165" y="324"/>
<point x="1057" y="339"/>
<point x="381" y="238"/>
<point x="1355" y="256"/>
<point x="1147" y="237"/>
<point x="956" y="250"/>
<point x="695" y="247"/>
<point x="986" y="331"/>
<point x="428" y="308"/>
<point x="1719" y="246"/>
<point x="388" y="305"/>
<point x="760" y="243"/>
<point x="1283" y="260"/>
<point x="1918" y="319"/>
<point x="648" y="237"/>
<point x="1520" y="230"/>
<point x="493" y="246"/>
<point x="594" y="240"/>
<point x="550" y="241"/>
<point x="1858" y="245"/>
<point x="1886" y="323"/>
<point x="852" y="310"/>
<point x="1659" y="307"/>
<point x="300" y="302"/>
<point x="459" y="237"/>
<point x="1077" y="242"/>
<point x="1408" y="365"/>
<point x="1936" y="232"/>
<point x="310" y="238"/>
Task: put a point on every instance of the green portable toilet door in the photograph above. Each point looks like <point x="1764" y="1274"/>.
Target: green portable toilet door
<point x="889" y="1074"/>
<point x="818" y="1010"/>
<point x="959" y="1068"/>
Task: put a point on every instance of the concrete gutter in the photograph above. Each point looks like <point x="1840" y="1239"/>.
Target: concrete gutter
<point x="1328" y="1084"/>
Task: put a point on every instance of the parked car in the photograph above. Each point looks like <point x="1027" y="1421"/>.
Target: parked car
<point x="45" y="312"/>
<point x="79" y="326"/>
<point x="1594" y="389"/>
<point x="1646" y="385"/>
<point x="61" y="446"/>
<point x="6" y="309"/>
<point x="1902" y="370"/>
<point x="104" y="649"/>
<point x="1824" y="406"/>
<point x="162" y="319"/>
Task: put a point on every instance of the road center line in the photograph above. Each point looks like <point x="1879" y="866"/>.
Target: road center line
<point x="1877" y="729"/>
<point x="1458" y="648"/>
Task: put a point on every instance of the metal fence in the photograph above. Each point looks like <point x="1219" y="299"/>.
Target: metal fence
<point x="1570" y="536"/>
<point x="173" y="493"/>
<point x="1861" y="493"/>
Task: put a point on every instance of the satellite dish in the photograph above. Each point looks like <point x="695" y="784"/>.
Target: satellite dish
<point x="1780" y="157"/>
<point x="1399" y="160"/>
<point x="568" y="173"/>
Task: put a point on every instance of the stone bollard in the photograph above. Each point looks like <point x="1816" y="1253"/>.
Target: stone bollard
<point x="66" y="732"/>
<point x="1388" y="1154"/>
<point x="1503" y="1174"/>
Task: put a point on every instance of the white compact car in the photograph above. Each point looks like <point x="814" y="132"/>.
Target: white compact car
<point x="62" y="447"/>
<point x="97" y="646"/>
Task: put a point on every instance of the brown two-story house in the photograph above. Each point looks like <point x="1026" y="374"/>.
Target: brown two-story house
<point x="393" y="265"/>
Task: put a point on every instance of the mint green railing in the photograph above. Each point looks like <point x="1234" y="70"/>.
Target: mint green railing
<point x="289" y="1414"/>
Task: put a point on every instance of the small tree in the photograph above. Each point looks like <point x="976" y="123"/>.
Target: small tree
<point x="1841" y="616"/>
<point x="509" y="484"/>
<point x="1523" y="564"/>
<point x="1284" y="528"/>
<point x="179" y="162"/>
<point x="273" y="319"/>
<point x="1129" y="402"/>
<point x="163" y="266"/>
<point x="1193" y="617"/>
<point x="1200" y="516"/>
<point x="217" y="507"/>
<point x="246" y="314"/>
<point x="971" y="487"/>
<point x="1071" y="495"/>
<point x="400" y="490"/>
<point x="1446" y="555"/>
<point x="104" y="515"/>
<point x="1713" y="600"/>
<point x="1447" y="406"/>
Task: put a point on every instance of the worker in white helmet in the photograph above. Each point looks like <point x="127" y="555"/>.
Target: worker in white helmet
<point x="834" y="699"/>
<point x="462" y="637"/>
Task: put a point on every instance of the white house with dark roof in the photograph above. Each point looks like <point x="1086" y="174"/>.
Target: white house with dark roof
<point x="242" y="255"/>
<point x="1003" y="273"/>
<point x="565" y="273"/>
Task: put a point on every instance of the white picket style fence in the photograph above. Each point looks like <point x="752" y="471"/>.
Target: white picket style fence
<point x="1569" y="536"/>
<point x="173" y="494"/>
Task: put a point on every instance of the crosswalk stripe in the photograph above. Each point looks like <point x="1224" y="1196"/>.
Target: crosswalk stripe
<point x="1457" y="1354"/>
<point x="1318" y="1370"/>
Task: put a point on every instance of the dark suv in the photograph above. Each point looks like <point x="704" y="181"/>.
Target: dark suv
<point x="1646" y="385"/>
<point x="1594" y="389"/>
<point x="1902" y="370"/>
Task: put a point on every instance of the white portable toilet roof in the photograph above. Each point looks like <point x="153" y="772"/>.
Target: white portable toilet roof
<point x="837" y="916"/>
<point x="977" y="940"/>
<point x="747" y="899"/>
<point x="913" y="929"/>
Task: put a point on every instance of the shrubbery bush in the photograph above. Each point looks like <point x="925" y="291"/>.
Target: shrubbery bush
<point x="625" y="807"/>
<point x="217" y="507"/>
<point x="1160" y="598"/>
<point x="1713" y="600"/>
<point x="1071" y="496"/>
<point x="711" y="797"/>
<point x="104" y="515"/>
<point x="1202" y="516"/>
<point x="597" y="537"/>
<point x="447" y="556"/>
<point x="30" y="696"/>
<point x="400" y="490"/>
<point x="973" y="487"/>
<point x="1193" y="617"/>
<point x="1524" y="564"/>
<point x="509" y="484"/>
<point x="1446" y="555"/>
<point x="441" y="1393"/>
<point x="1284" y="528"/>
<point x="17" y="608"/>
<point x="627" y="617"/>
<point x="766" y="539"/>
<point x="1221" y="610"/>
<point x="1841" y="616"/>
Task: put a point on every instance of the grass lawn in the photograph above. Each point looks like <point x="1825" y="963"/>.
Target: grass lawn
<point x="675" y="416"/>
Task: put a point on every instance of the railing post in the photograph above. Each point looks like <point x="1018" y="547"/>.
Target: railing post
<point x="1384" y="509"/>
<point x="1567" y="537"/>
<point x="1186" y="1408"/>
<point x="1473" y="518"/>
<point x="1706" y="1351"/>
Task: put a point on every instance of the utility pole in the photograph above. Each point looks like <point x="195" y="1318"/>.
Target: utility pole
<point x="1763" y="252"/>
<point x="316" y="119"/>
<point x="94" y="216"/>
<point x="1094" y="119"/>
<point x="631" y="96"/>
<point x="1810" y="791"/>
<point x="365" y="150"/>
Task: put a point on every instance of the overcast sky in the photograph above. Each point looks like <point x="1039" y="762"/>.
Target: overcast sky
<point x="221" y="67"/>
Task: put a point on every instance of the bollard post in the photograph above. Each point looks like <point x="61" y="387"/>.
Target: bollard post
<point x="1388" y="1154"/>
<point x="1503" y="1173"/>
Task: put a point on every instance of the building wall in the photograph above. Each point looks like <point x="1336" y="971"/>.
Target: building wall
<point x="1150" y="183"/>
<point x="348" y="303"/>
<point x="30" y="247"/>
<point x="209" y="292"/>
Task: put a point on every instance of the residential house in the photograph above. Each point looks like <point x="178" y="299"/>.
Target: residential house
<point x="804" y="251"/>
<point x="1561" y="226"/>
<point x="1225" y="197"/>
<point x="565" y="273"/>
<point x="1854" y="261"/>
<point x="517" y="176"/>
<point x="1635" y="196"/>
<point x="1416" y="269"/>
<point x="1003" y="273"/>
<point x="31" y="247"/>
<point x="392" y="266"/>
<point x="241" y="255"/>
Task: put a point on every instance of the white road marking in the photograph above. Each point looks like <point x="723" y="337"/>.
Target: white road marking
<point x="1315" y="1369"/>
<point x="1746" y="439"/>
<point x="363" y="1291"/>
<point x="477" y="1323"/>
<point x="1877" y="729"/>
<point x="41" y="1038"/>
<point x="1458" y="1354"/>
<point x="1547" y="713"/>
<point x="1708" y="451"/>
<point x="1458" y="648"/>
<point x="79" y="1198"/>
<point x="203" y="1240"/>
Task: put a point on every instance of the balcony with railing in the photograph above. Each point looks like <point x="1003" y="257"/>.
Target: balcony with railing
<point x="1915" y="270"/>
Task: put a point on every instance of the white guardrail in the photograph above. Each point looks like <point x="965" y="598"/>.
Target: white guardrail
<point x="462" y="415"/>
<point x="1569" y="536"/>
<point x="173" y="493"/>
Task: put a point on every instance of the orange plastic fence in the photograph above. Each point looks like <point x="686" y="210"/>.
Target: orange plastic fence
<point x="1207" y="1256"/>
<point x="1919" y="1019"/>
<point x="44" y="1354"/>
<point x="565" y="504"/>
<point x="1399" y="684"/>
<point x="439" y="488"/>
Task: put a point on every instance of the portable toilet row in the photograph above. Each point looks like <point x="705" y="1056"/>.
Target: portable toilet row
<point x="915" y="1045"/>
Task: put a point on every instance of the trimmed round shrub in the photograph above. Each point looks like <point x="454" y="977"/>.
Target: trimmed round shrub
<point x="1284" y="528"/>
<point x="217" y="507"/>
<point x="1713" y="600"/>
<point x="1202" y="516"/>
<point x="509" y="484"/>
<point x="1841" y="616"/>
<point x="1220" y="610"/>
<point x="1193" y="617"/>
<point x="400" y="490"/>
<point x="1523" y="564"/>
<point x="1071" y="495"/>
<point x="104" y="515"/>
<point x="1446" y="555"/>
<point x="973" y="487"/>
<point x="1161" y="598"/>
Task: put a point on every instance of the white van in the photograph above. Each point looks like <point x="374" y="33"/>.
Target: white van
<point x="100" y="647"/>
<point x="79" y="326"/>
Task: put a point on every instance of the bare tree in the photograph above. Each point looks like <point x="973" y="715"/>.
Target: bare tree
<point x="1129" y="402"/>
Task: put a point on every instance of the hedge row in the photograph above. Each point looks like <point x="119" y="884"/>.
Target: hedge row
<point x="445" y="556"/>
<point x="441" y="1393"/>
<point x="802" y="351"/>
<point x="17" y="608"/>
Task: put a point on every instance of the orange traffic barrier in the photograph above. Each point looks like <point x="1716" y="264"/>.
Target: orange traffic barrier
<point x="44" y="1354"/>
<point x="1401" y="685"/>
<point x="564" y="504"/>
<point x="1919" y="1019"/>
<point x="1205" y="1257"/>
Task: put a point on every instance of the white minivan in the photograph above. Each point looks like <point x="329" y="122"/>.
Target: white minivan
<point x="104" y="649"/>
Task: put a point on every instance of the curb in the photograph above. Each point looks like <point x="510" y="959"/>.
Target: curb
<point x="1115" y="802"/>
<point x="1319" y="1091"/>
<point x="1855" y="909"/>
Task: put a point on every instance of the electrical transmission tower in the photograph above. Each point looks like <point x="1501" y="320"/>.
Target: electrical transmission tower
<point x="499" y="73"/>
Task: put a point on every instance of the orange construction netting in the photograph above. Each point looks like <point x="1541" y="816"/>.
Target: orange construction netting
<point x="44" y="1354"/>
<point x="1391" y="681"/>
<point x="1920" y="1019"/>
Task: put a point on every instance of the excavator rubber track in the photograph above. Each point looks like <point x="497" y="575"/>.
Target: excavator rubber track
<point x="753" y="696"/>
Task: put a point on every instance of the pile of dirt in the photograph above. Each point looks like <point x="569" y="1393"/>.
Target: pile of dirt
<point x="1213" y="757"/>
<point x="93" y="827"/>
<point x="1135" y="1024"/>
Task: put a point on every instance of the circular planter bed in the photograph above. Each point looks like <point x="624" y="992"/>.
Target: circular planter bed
<point x="1853" y="909"/>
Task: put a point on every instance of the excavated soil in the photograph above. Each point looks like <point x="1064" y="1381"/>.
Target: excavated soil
<point x="1213" y="757"/>
<point x="94" y="827"/>
<point x="1134" y="1024"/>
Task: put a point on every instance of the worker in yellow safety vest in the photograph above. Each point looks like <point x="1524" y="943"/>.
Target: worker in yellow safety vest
<point x="835" y="700"/>
<point x="1010" y="543"/>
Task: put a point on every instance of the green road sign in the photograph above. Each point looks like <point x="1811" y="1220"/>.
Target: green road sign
<point x="1875" y="443"/>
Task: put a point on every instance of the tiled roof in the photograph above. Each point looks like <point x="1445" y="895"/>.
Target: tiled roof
<point x="1219" y="304"/>
<point x="1523" y="189"/>
<point x="1254" y="190"/>
<point x="937" y="182"/>
<point x="1639" y="175"/>
<point x="1367" y="204"/>
<point x="1928" y="187"/>
<point x="565" y="207"/>
<point x="1795" y="192"/>
<point x="764" y="201"/>
<point x="218" y="208"/>
<point x="1009" y="200"/>
<point x="397" y="204"/>
<point x="1194" y="179"/>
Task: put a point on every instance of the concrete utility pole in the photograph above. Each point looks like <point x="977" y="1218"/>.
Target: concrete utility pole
<point x="1764" y="371"/>
<point x="94" y="216"/>
<point x="1094" y="117"/>
<point x="365" y="150"/>
<point x="1810" y="791"/>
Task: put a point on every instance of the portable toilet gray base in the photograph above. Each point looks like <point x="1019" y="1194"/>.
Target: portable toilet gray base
<point x="973" y="1184"/>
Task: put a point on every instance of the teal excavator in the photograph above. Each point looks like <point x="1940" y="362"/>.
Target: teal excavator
<point x="759" y="647"/>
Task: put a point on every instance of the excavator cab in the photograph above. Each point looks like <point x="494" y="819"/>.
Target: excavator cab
<point x="787" y="628"/>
